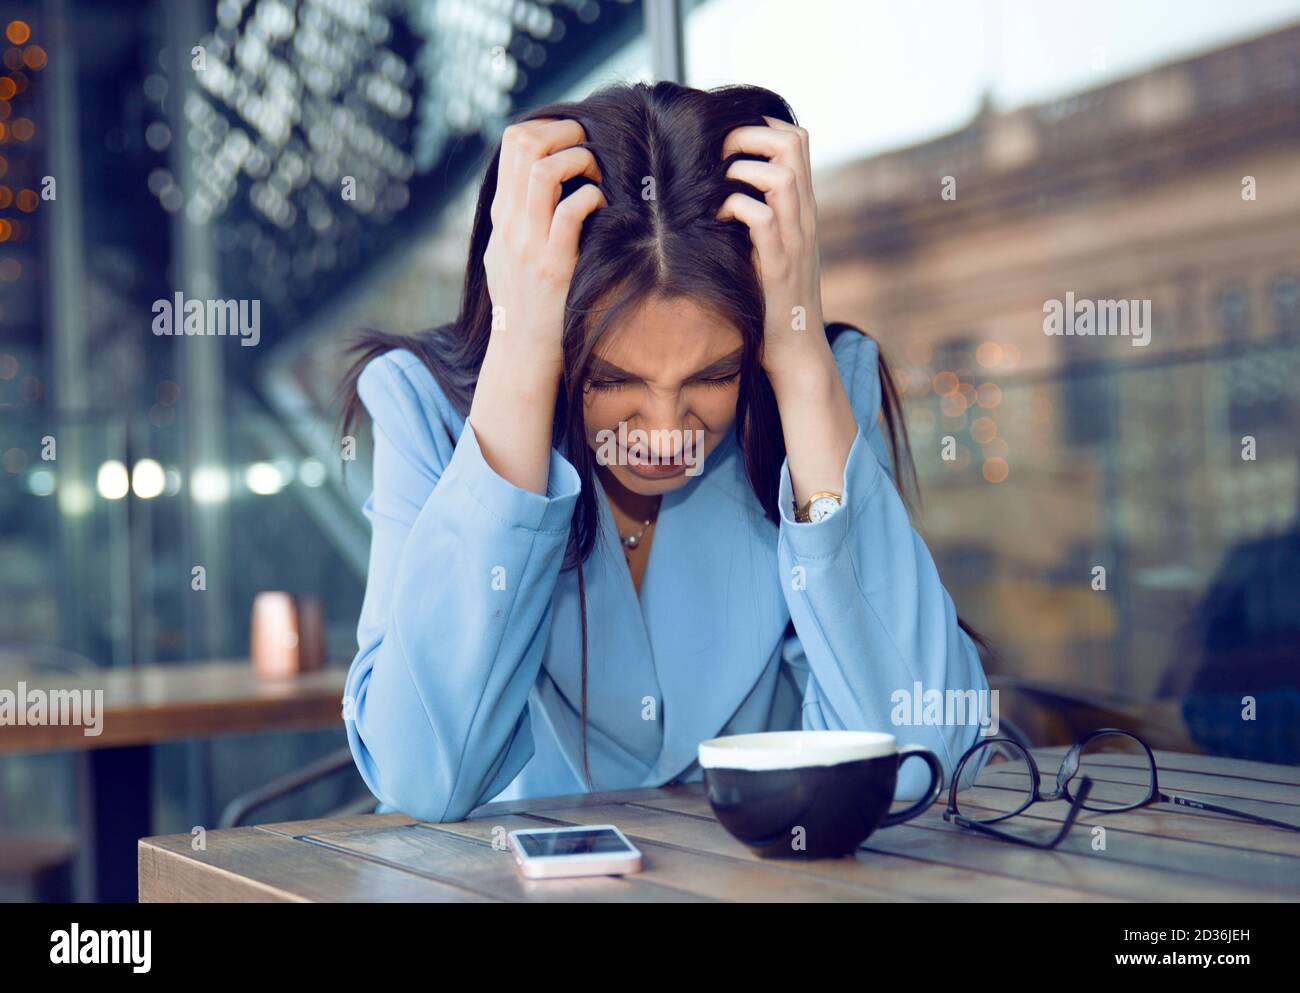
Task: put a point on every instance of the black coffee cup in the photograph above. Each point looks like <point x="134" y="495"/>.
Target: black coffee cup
<point x="809" y="794"/>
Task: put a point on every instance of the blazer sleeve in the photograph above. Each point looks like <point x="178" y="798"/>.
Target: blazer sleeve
<point x="871" y="616"/>
<point x="457" y="607"/>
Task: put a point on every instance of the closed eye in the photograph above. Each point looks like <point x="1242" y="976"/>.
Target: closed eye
<point x="720" y="381"/>
<point x="606" y="385"/>
<point x="610" y="385"/>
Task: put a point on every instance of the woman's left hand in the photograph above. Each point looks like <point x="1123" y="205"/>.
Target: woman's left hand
<point x="783" y="228"/>
<point x="817" y="418"/>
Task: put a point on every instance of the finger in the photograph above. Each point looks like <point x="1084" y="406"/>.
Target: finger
<point x="759" y="218"/>
<point x="800" y="133"/>
<point x="545" y="180"/>
<point x="780" y="189"/>
<point x="566" y="229"/>
<point x="522" y="144"/>
<point x="783" y="145"/>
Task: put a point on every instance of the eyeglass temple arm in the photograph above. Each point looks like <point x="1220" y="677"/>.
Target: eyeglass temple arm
<point x="1085" y="787"/>
<point x="1184" y="801"/>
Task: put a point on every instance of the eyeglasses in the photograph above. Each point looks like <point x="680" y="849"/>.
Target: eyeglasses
<point x="1108" y="783"/>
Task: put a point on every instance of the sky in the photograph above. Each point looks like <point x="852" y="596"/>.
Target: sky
<point x="866" y="76"/>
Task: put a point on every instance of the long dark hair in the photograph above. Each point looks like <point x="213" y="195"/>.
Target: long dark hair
<point x="665" y="138"/>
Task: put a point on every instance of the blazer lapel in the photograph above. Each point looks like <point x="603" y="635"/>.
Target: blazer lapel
<point x="713" y="602"/>
<point x="622" y="744"/>
<point x="667" y="671"/>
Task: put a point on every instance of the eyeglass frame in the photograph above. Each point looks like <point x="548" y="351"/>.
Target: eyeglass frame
<point x="1077" y="801"/>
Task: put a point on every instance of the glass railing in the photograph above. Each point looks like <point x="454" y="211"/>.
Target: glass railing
<point x="99" y="551"/>
<point x="1131" y="529"/>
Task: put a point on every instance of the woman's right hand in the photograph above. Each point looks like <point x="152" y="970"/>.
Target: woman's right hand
<point x="533" y="249"/>
<point x="529" y="260"/>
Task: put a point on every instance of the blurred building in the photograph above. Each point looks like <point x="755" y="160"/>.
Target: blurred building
<point x="1180" y="186"/>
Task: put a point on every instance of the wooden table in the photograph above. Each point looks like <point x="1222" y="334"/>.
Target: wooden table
<point x="145" y="705"/>
<point x="152" y="703"/>
<point x="1156" y="854"/>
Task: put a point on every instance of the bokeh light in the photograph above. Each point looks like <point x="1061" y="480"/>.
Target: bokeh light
<point x="14" y="460"/>
<point x="111" y="481"/>
<point x="984" y="429"/>
<point x="40" y="482"/>
<point x="312" y="473"/>
<point x="996" y="470"/>
<point x="989" y="395"/>
<point x="147" y="479"/>
<point x="210" y="484"/>
<point x="945" y="383"/>
<point x="989" y="354"/>
<point x="953" y="405"/>
<point x="264" y="479"/>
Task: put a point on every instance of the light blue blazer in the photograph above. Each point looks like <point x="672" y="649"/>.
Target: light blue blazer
<point x="467" y="685"/>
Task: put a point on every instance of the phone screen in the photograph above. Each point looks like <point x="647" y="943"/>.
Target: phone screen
<point x="584" y="842"/>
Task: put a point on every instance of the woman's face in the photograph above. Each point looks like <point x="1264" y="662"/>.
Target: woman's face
<point x="661" y="393"/>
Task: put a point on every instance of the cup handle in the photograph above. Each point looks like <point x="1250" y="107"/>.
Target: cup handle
<point x="931" y="794"/>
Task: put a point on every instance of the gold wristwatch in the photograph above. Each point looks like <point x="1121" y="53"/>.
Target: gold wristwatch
<point x="819" y="507"/>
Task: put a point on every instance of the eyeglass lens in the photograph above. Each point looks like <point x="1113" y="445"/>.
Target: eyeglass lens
<point x="1120" y="768"/>
<point x="1005" y="780"/>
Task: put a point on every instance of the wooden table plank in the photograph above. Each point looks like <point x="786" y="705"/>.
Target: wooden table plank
<point x="1215" y="765"/>
<point x="1159" y="820"/>
<point x="153" y="703"/>
<point x="1269" y="799"/>
<point x="246" y="865"/>
<point x="600" y="799"/>
<point x="474" y="865"/>
<point x="890" y="878"/>
<point x="1120" y="878"/>
<point x="703" y="873"/>
<point x="324" y="825"/>
<point x="1133" y="866"/>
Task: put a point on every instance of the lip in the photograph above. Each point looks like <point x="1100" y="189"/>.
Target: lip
<point x="665" y="471"/>
<point x="658" y="468"/>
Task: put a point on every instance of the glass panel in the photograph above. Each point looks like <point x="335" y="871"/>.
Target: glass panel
<point x="1117" y="507"/>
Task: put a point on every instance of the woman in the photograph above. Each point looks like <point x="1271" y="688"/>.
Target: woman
<point x="636" y="496"/>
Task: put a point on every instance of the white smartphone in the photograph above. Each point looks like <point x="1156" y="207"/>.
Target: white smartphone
<point x="595" y="850"/>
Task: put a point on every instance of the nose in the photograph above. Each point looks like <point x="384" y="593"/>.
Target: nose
<point x="662" y="416"/>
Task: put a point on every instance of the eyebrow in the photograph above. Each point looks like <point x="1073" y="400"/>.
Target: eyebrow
<point x="723" y="365"/>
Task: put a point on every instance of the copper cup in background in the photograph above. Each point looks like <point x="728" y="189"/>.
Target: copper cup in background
<point x="288" y="635"/>
<point x="311" y="634"/>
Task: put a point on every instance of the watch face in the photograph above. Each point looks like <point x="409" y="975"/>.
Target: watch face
<point x="821" y="509"/>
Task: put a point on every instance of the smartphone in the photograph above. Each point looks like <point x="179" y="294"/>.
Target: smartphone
<point x="595" y="850"/>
